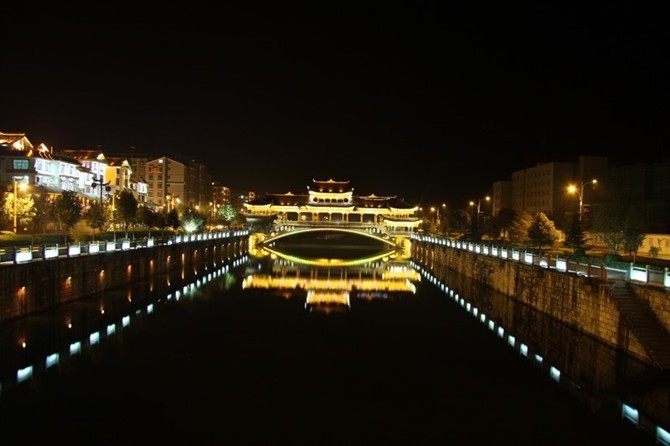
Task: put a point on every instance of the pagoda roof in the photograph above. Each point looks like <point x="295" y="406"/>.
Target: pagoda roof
<point x="261" y="201"/>
<point x="331" y="185"/>
<point x="399" y="203"/>
<point x="331" y="181"/>
<point x="374" y="197"/>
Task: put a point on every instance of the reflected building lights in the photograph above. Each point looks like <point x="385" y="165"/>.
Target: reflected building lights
<point x="333" y="282"/>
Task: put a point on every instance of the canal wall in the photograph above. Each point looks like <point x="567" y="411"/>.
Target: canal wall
<point x="583" y="303"/>
<point x="28" y="288"/>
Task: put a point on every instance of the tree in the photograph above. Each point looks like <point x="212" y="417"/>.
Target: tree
<point x="192" y="221"/>
<point x="67" y="209"/>
<point x="574" y="236"/>
<point x="25" y="209"/>
<point x="542" y="231"/>
<point x="172" y="219"/>
<point x="126" y="206"/>
<point x="459" y="221"/>
<point x="149" y="218"/>
<point x="502" y="222"/>
<point x="518" y="230"/>
<point x="633" y="231"/>
<point x="228" y="213"/>
<point x="429" y="226"/>
<point x="609" y="222"/>
<point x="43" y="211"/>
<point x="95" y="218"/>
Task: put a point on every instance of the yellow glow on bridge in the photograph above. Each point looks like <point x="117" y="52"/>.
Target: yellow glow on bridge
<point x="274" y="236"/>
<point x="382" y="255"/>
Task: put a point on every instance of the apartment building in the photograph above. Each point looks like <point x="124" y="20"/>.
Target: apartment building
<point x="112" y="171"/>
<point x="178" y="183"/>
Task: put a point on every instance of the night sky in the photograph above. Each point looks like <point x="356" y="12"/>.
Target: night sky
<point x="430" y="101"/>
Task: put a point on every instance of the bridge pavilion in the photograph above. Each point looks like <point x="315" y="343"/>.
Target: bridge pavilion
<point x="333" y="204"/>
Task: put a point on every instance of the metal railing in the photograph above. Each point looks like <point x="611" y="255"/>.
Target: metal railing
<point x="27" y="254"/>
<point x="642" y="274"/>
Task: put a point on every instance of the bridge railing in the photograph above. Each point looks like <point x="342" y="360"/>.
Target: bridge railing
<point x="335" y="224"/>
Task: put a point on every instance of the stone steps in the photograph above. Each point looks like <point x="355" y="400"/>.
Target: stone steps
<point x="644" y="323"/>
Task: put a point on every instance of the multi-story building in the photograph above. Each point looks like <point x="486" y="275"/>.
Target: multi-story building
<point x="114" y="172"/>
<point x="220" y="193"/>
<point x="165" y="180"/>
<point x="175" y="182"/>
<point x="239" y="197"/>
<point x="544" y="188"/>
<point x="178" y="183"/>
<point x="646" y="186"/>
<point x="501" y="196"/>
<point x="40" y="166"/>
<point x="120" y="176"/>
<point x="16" y="160"/>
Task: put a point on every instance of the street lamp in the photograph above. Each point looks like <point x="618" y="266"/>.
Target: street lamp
<point x="580" y="192"/>
<point x="443" y="206"/>
<point x="168" y="201"/>
<point x="436" y="209"/>
<point x="16" y="200"/>
<point x="479" y="205"/>
<point x="100" y="182"/>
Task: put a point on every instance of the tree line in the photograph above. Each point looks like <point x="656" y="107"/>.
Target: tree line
<point x="619" y="227"/>
<point x="39" y="211"/>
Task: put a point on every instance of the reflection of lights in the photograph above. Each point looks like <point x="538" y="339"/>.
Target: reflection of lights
<point x="393" y="278"/>
<point x="96" y="337"/>
<point x="320" y="297"/>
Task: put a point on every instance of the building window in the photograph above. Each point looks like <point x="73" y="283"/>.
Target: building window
<point x="20" y="164"/>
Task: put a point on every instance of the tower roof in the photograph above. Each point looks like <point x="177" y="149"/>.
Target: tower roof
<point x="331" y="185"/>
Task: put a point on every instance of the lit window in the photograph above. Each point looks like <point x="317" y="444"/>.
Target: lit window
<point x="20" y="164"/>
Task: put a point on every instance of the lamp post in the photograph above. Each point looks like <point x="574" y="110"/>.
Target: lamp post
<point x="436" y="210"/>
<point x="443" y="206"/>
<point x="16" y="202"/>
<point x="100" y="182"/>
<point x="479" y="206"/>
<point x="580" y="192"/>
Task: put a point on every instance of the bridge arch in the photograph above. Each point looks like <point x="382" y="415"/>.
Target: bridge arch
<point x="379" y="237"/>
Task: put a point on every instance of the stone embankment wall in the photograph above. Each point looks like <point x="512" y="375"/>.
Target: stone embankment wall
<point x="583" y="303"/>
<point x="37" y="286"/>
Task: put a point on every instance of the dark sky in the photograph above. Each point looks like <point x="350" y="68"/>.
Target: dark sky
<point x="425" y="100"/>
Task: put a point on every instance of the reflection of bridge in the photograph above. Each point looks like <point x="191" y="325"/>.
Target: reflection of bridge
<point x="329" y="288"/>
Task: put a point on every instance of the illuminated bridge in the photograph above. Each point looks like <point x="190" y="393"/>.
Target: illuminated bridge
<point x="331" y="207"/>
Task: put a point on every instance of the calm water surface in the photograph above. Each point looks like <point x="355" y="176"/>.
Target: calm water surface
<point x="283" y="357"/>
